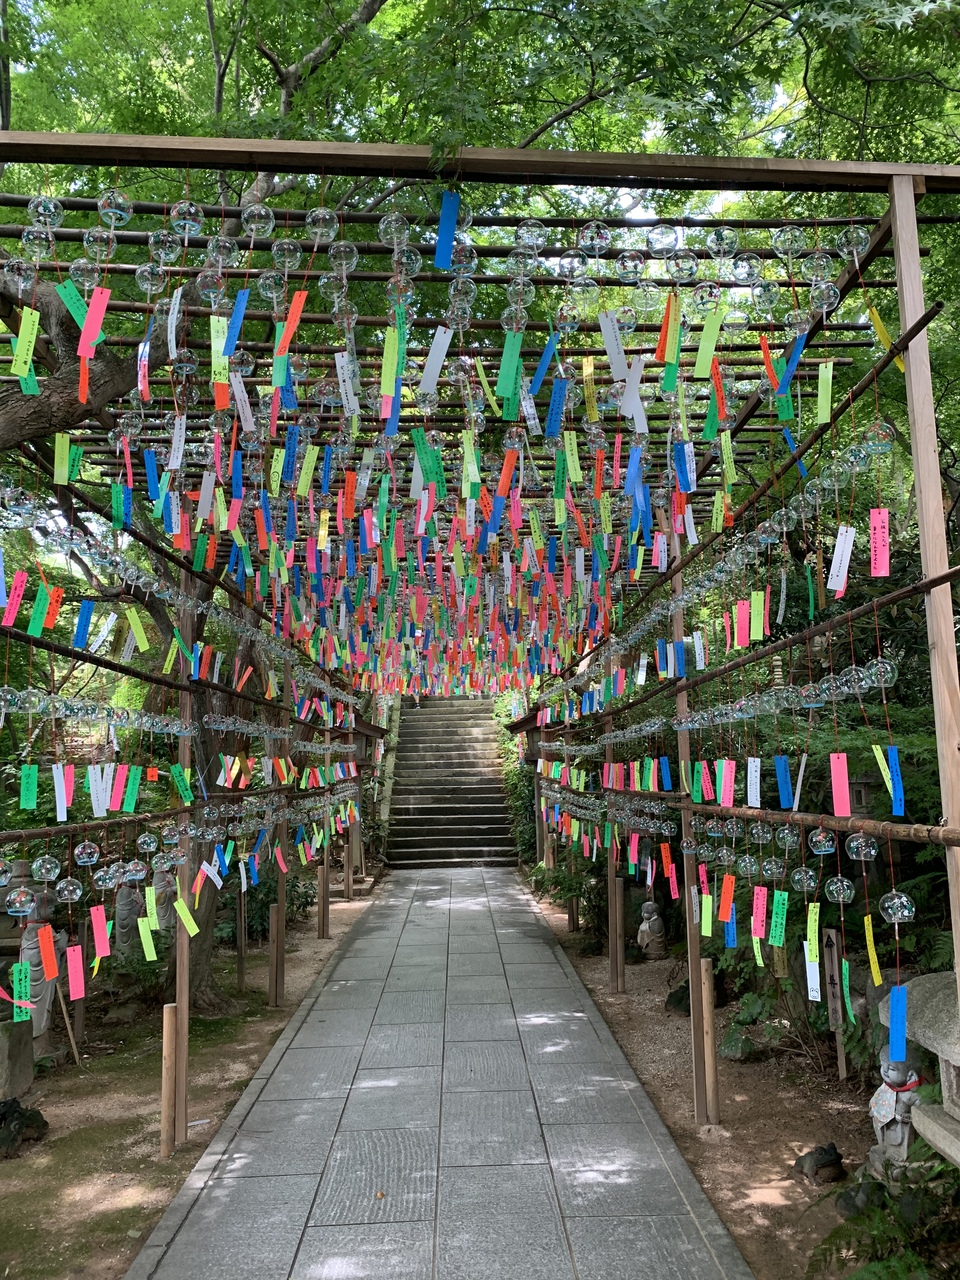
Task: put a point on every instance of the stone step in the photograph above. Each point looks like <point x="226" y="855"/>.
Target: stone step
<point x="490" y="860"/>
<point x="428" y="735"/>
<point x="486" y="833"/>
<point x="438" y="772"/>
<point x="466" y="811"/>
<point x="444" y="856"/>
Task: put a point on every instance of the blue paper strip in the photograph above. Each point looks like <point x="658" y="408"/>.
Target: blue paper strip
<point x="537" y="381"/>
<point x="558" y="396"/>
<point x="446" y="230"/>
<point x="236" y="321"/>
<point x="791" y="366"/>
<point x="153" y="480"/>
<point x="898" y="1024"/>
<point x="896" y="781"/>
<point x="782" y="766"/>
<point x="680" y="666"/>
<point x="666" y="783"/>
<point x="252" y="869"/>
<point x="84" y="618"/>
<point x="792" y="446"/>
<point x="730" y="929"/>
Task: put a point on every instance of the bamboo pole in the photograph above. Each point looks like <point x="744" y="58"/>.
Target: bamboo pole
<point x="708" y="998"/>
<point x="168" y="1088"/>
<point x="928" y="485"/>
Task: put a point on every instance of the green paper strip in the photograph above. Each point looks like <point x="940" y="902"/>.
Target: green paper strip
<point x="824" y="391"/>
<point x="708" y="343"/>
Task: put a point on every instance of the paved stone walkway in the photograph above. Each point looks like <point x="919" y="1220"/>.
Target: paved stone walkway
<point x="447" y="1104"/>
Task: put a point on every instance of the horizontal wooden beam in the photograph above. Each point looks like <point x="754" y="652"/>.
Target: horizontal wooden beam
<point x="471" y="164"/>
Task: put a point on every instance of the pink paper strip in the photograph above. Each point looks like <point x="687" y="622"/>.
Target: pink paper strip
<point x="17" y="588"/>
<point x="726" y="627"/>
<point x="758" y="926"/>
<point x="76" y="984"/>
<point x="880" y="543"/>
<point x="729" y="773"/>
<point x="101" y="939"/>
<point x="119" y="781"/>
<point x="706" y="782"/>
<point x="280" y="862"/>
<point x="743" y="624"/>
<point x="634" y="842"/>
<point x="674" y="891"/>
<point x="68" y="780"/>
<point x="766" y="611"/>
<point x="841" y="784"/>
<point x="91" y="326"/>
<point x="702" y="873"/>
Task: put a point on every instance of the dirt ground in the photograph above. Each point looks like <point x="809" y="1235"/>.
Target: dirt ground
<point x="80" y="1203"/>
<point x="771" y="1112"/>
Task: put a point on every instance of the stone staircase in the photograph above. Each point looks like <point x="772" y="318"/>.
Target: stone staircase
<point x="448" y="806"/>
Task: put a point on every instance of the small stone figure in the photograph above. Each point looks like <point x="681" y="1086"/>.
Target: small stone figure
<point x="165" y="888"/>
<point x="890" y="1109"/>
<point x="650" y="935"/>
<point x="42" y="992"/>
<point x="129" y="907"/>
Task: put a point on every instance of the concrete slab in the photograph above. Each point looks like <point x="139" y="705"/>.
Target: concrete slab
<point x="446" y="1104"/>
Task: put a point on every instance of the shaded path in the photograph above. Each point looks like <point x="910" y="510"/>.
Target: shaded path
<point x="447" y="1104"/>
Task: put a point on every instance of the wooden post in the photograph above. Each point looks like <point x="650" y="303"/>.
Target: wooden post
<point x="621" y="940"/>
<point x="928" y="486"/>
<point x="323" y="896"/>
<point x="710" y="1043"/>
<point x="184" y="878"/>
<point x="80" y="1006"/>
<point x="613" y="934"/>
<point x="168" y="1085"/>
<point x="349" y="849"/>
<point x="690" y="883"/>
<point x="830" y="940"/>
<point x="278" y="952"/>
<point x="273" y="994"/>
<point x="241" y="942"/>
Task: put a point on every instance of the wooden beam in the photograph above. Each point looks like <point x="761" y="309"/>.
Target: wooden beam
<point x="928" y="486"/>
<point x="471" y="164"/>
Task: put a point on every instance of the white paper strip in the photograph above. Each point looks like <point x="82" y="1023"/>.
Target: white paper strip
<point x="613" y="342"/>
<point x="796" y="794"/>
<point x="177" y="442"/>
<point x="172" y="322"/>
<point x="205" y="502"/>
<point x="351" y="404"/>
<point x="841" y="557"/>
<point x="698" y="651"/>
<point x="60" y="792"/>
<point x="753" y="782"/>
<point x="103" y="634"/>
<point x="630" y="402"/>
<point x="242" y="402"/>
<point x="813" y="975"/>
<point x="435" y="358"/>
<point x="210" y="870"/>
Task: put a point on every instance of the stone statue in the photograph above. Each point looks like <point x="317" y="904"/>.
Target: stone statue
<point x="129" y="907"/>
<point x="42" y="993"/>
<point x="890" y="1109"/>
<point x="165" y="888"/>
<point x="650" y="935"/>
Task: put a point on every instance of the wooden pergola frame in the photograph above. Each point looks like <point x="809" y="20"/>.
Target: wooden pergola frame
<point x="902" y="184"/>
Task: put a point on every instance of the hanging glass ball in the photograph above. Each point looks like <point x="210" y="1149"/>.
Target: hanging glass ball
<point x="258" y="221"/>
<point x="683" y="266"/>
<point x="824" y="296"/>
<point x="136" y="870"/>
<point x="84" y="273"/>
<point x="821" y="842"/>
<point x="463" y="260"/>
<point x="161" y="862"/>
<point x="45" y="868"/>
<point x="169" y="834"/>
<point x="723" y="242"/>
<point x="803" y="879"/>
<point x="881" y="672"/>
<point x="878" y="438"/>
<point x="86" y="854"/>
<point x="787" y="838"/>
<point x="513" y="319"/>
<point x="567" y="317"/>
<point x="184" y="363"/>
<point x="839" y="889"/>
<point x="115" y="208"/>
<point x="817" y="266"/>
<point x="212" y="288"/>
<point x="797" y="322"/>
<point x="68" y="890"/>
<point x="734" y="828"/>
<point x="164" y="245"/>
<point x="147" y="842"/>
<point x="788" y="242"/>
<point x="861" y="847"/>
<point x="37" y="244"/>
<point x="748" y="865"/>
<point x="531" y="232"/>
<point x="394" y="230"/>
<point x="186" y="218"/>
<point x="760" y="833"/>
<point x="400" y="291"/>
<point x="735" y="321"/>
<point x="286" y="254"/>
<point x="151" y="278"/>
<point x="706" y="297"/>
<point x="521" y="262"/>
<point x="343" y="255"/>
<point x="21" y="901"/>
<point x="747" y="268"/>
<point x="222" y="251"/>
<point x="572" y="264"/>
<point x="626" y="320"/>
<point x="726" y="857"/>
<point x="629" y="266"/>
<point x="271" y="285"/>
<point x="45" y="211"/>
<point x="773" y="868"/>
<point x="662" y="240"/>
<point x="322" y="226"/>
<point x="5" y="872"/>
<point x="852" y="242"/>
<point x="243" y="362"/>
<point x="595" y="238"/>
<point x="896" y="907"/>
<point x="765" y="295"/>
<point x="99" y="243"/>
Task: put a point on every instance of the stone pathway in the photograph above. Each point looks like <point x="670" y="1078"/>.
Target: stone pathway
<point x="447" y="1104"/>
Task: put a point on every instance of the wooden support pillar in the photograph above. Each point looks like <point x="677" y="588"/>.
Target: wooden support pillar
<point x="168" y="1081"/>
<point x="710" y="1042"/>
<point x="928" y="486"/>
<point x="613" y="932"/>
<point x="279" y="950"/>
<point x="690" y="884"/>
<point x="323" y="896"/>
<point x="273" y="995"/>
<point x="241" y="942"/>
<point x="350" y="845"/>
<point x="621" y="940"/>
<point x="184" y="880"/>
